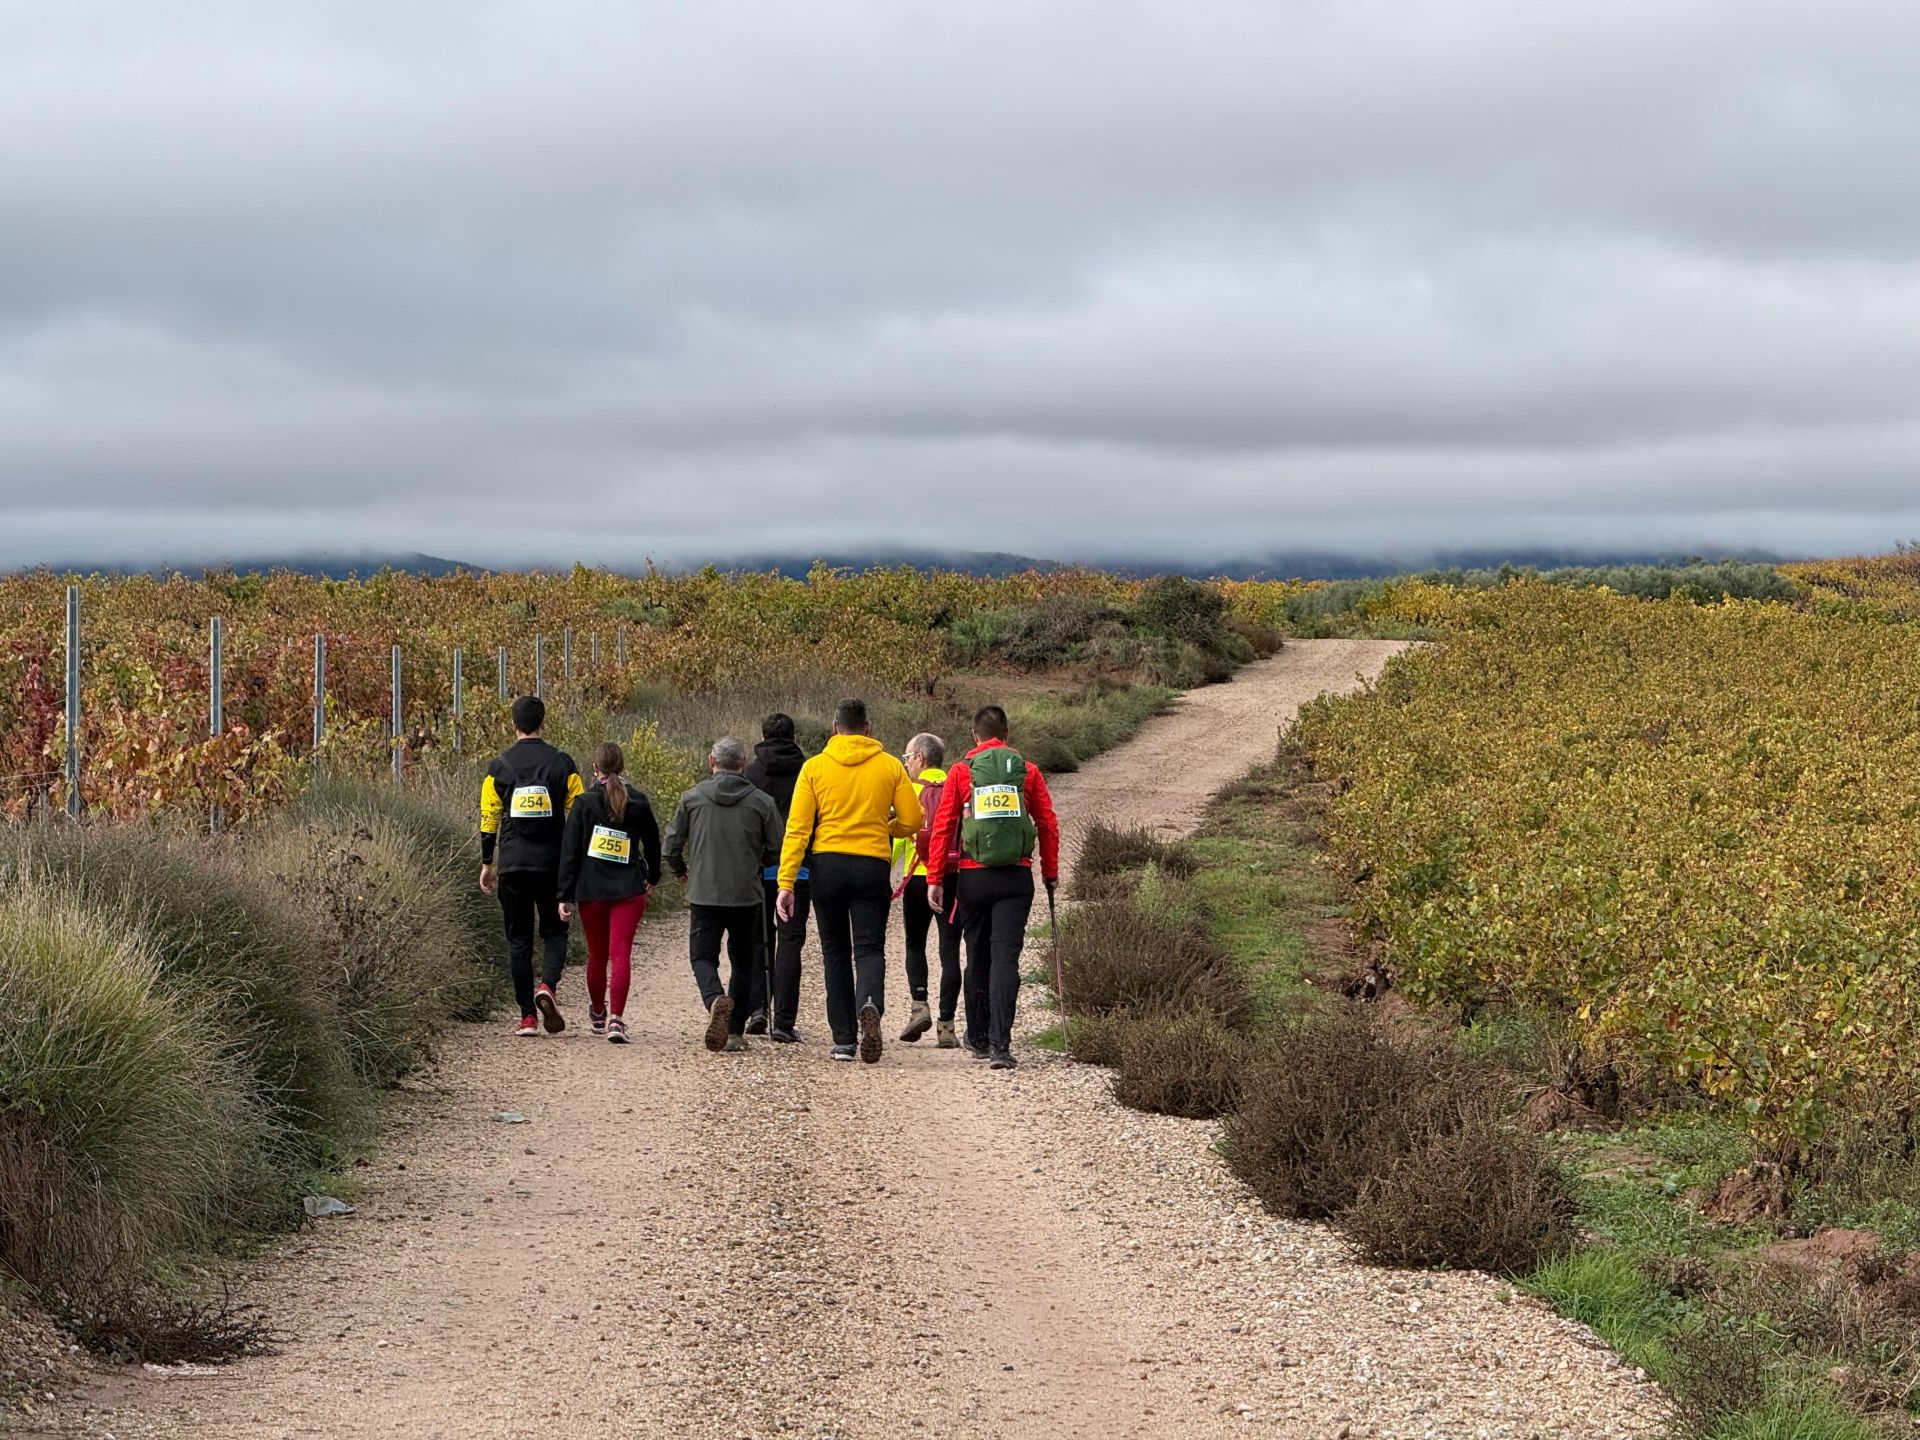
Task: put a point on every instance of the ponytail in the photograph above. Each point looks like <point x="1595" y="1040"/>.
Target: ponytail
<point x="612" y="764"/>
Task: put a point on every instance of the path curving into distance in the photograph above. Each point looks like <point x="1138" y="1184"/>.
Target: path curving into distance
<point x="685" y="1245"/>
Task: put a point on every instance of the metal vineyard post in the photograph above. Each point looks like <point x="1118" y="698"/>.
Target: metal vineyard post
<point x="216" y="710"/>
<point x="459" y="705"/>
<point x="399" y="739"/>
<point x="73" y="701"/>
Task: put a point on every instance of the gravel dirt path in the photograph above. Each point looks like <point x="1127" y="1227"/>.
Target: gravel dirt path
<point x="689" y="1245"/>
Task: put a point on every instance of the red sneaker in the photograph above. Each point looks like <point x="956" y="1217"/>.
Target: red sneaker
<point x="549" y="1009"/>
<point x="529" y="1027"/>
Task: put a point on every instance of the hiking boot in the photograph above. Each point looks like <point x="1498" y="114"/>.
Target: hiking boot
<point x="529" y="1028"/>
<point x="757" y="1023"/>
<point x="784" y="1035"/>
<point x="918" y="1023"/>
<point x="1002" y="1060"/>
<point x="549" y="1009"/>
<point x="947" y="1039"/>
<point x="841" y="1052"/>
<point x="596" y="1020"/>
<point x="736" y="1045"/>
<point x="718" y="1015"/>
<point x="870" y="1033"/>
<point x="617" y="1031"/>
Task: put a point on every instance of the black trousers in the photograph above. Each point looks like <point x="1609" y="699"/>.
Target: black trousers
<point x="782" y="941"/>
<point x="739" y="925"/>
<point x="530" y="905"/>
<point x="851" y="897"/>
<point x="994" y="906"/>
<point x="917" y="916"/>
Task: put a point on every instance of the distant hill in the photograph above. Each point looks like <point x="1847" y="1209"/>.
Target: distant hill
<point x="1283" y="565"/>
<point x="318" y="564"/>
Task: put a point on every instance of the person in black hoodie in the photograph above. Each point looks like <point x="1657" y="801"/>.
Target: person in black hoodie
<point x="609" y="859"/>
<point x="524" y="800"/>
<point x="775" y="765"/>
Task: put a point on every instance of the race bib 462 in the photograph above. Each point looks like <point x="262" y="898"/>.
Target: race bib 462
<point x="998" y="802"/>
<point x="614" y="845"/>
<point x="532" y="802"/>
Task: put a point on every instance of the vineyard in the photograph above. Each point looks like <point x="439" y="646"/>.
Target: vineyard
<point x="1681" y="837"/>
<point x="591" y="638"/>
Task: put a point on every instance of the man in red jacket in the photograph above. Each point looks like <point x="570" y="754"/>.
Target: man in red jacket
<point x="995" y="813"/>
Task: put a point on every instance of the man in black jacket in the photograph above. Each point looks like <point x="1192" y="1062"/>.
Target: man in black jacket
<point x="776" y="764"/>
<point x="524" y="800"/>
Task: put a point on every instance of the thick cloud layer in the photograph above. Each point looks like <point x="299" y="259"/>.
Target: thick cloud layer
<point x="605" y="281"/>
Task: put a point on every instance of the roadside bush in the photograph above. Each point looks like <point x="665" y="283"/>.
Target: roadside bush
<point x="399" y="961"/>
<point x="124" y="1123"/>
<point x="1120" y="959"/>
<point x="1480" y="1196"/>
<point x="222" y="937"/>
<point x="1096" y="1039"/>
<point x="1107" y="850"/>
<point x="1187" y="1065"/>
<point x="1717" y="1368"/>
<point x="440" y="819"/>
<point x="1052" y="632"/>
<point x="1334" y="1103"/>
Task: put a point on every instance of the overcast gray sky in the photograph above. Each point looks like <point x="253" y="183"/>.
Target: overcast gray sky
<point x="1087" y="278"/>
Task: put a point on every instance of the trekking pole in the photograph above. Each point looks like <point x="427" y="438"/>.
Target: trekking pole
<point x="1059" y="969"/>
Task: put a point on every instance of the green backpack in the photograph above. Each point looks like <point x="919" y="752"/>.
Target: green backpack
<point x="996" y="829"/>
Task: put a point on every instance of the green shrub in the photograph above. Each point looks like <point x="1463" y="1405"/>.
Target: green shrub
<point x="224" y="938"/>
<point x="125" y="1124"/>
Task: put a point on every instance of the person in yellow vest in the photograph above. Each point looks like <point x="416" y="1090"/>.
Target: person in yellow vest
<point x="925" y="754"/>
<point x="850" y="803"/>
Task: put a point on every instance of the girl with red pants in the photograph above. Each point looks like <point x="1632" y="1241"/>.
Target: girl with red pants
<point x="609" y="858"/>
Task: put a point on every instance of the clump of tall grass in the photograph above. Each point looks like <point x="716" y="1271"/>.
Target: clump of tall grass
<point x="399" y="952"/>
<point x="125" y="1120"/>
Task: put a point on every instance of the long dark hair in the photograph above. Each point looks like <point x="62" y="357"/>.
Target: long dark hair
<point x="611" y="762"/>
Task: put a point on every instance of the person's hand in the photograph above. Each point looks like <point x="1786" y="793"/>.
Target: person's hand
<point x="783" y="905"/>
<point x="566" y="911"/>
<point x="937" y="898"/>
<point x="1052" y="885"/>
<point x="681" y="876"/>
<point x="489" y="879"/>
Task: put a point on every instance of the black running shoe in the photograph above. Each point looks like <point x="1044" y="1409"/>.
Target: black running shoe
<point x="870" y="1033"/>
<point x="977" y="1050"/>
<point x="786" y="1036"/>
<point x="841" y="1052"/>
<point x="757" y="1023"/>
<point x="718" y="1014"/>
<point x="1002" y="1060"/>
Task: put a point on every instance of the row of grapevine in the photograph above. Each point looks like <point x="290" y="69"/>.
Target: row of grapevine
<point x="145" y="696"/>
<point x="1682" y="836"/>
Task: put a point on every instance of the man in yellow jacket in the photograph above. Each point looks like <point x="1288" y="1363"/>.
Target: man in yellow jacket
<point x="850" y="803"/>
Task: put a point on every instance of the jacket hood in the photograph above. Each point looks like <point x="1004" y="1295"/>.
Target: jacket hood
<point x="729" y="787"/>
<point x="780" y="757"/>
<point x="851" y="750"/>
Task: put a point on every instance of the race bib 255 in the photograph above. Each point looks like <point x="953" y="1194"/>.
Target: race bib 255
<point x="614" y="845"/>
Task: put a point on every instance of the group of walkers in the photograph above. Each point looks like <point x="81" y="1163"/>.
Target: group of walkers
<point x="763" y="843"/>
